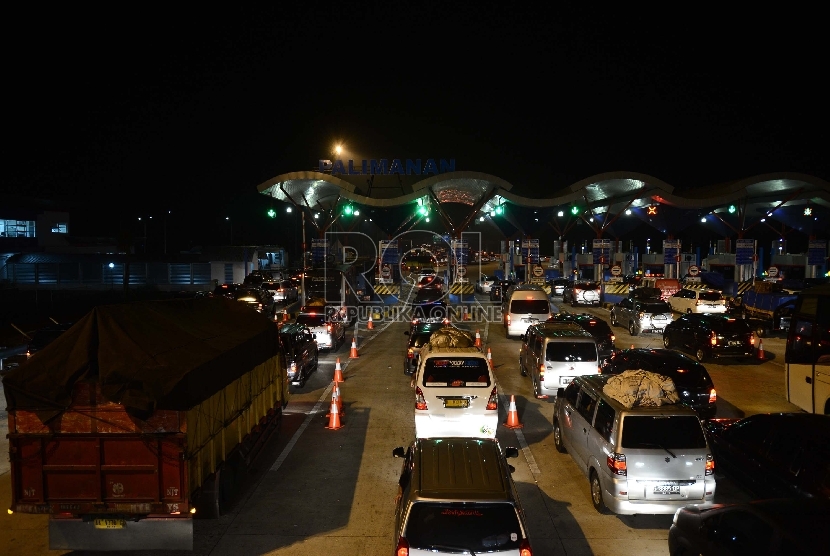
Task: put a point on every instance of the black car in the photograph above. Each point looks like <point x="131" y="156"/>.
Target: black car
<point x="598" y="328"/>
<point x="429" y="304"/>
<point x="498" y="289"/>
<point x="558" y="285"/>
<point x="780" y="526"/>
<point x="711" y="336"/>
<point x="692" y="381"/>
<point x="419" y="336"/>
<point x="300" y="351"/>
<point x="774" y="455"/>
<point x="45" y="336"/>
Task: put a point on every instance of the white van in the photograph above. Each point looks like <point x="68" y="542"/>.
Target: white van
<point x="523" y="305"/>
<point x="553" y="353"/>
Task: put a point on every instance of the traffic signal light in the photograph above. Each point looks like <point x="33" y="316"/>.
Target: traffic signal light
<point x="499" y="210"/>
<point x="272" y="213"/>
<point x="652" y="210"/>
<point x="574" y="210"/>
<point x="732" y="209"/>
<point x="348" y="210"/>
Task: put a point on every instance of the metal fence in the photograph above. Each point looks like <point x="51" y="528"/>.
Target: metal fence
<point x="107" y="274"/>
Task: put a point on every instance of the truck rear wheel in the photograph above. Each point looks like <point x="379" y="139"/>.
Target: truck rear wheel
<point x="760" y="331"/>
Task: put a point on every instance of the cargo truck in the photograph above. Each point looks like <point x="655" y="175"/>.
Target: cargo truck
<point x="140" y="417"/>
<point x="766" y="306"/>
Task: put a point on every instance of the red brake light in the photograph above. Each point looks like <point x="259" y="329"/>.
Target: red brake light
<point x="328" y="327"/>
<point x="403" y="547"/>
<point x="493" y="402"/>
<point x="524" y="548"/>
<point x="714" y="339"/>
<point x="710" y="464"/>
<point x="713" y="396"/>
<point x="420" y="402"/>
<point x="616" y="463"/>
<point x="410" y="353"/>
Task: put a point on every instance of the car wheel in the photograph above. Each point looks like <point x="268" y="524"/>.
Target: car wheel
<point x="522" y="368"/>
<point x="688" y="311"/>
<point x="557" y="438"/>
<point x="760" y="331"/>
<point x="614" y="319"/>
<point x="596" y="493"/>
<point x="632" y="329"/>
<point x="700" y="355"/>
<point x="666" y="341"/>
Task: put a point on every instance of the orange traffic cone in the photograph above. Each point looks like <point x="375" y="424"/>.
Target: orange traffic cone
<point x="285" y="316"/>
<point x="334" y="416"/>
<point x="632" y="346"/>
<point x="478" y="339"/>
<point x="353" y="353"/>
<point x="370" y="325"/>
<point x="335" y="396"/>
<point x="490" y="358"/>
<point x="513" y="415"/>
<point x="338" y="372"/>
<point x="761" y="355"/>
<point x="466" y="314"/>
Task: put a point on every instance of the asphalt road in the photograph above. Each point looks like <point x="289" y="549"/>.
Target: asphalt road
<point x="321" y="491"/>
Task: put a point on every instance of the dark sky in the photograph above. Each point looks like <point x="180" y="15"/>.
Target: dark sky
<point x="138" y="112"/>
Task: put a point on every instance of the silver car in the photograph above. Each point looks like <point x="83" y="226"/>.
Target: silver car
<point x="641" y="316"/>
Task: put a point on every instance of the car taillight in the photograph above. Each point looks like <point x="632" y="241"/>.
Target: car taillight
<point x="524" y="548"/>
<point x="420" y="402"/>
<point x="713" y="339"/>
<point x="493" y="402"/>
<point x="710" y="464"/>
<point x="410" y="353"/>
<point x="713" y="396"/>
<point x="613" y="338"/>
<point x="697" y="302"/>
<point x="616" y="463"/>
<point x="508" y="320"/>
<point x="328" y="328"/>
<point x="542" y="372"/>
<point x="403" y="547"/>
<point x="752" y="339"/>
<point x="640" y="315"/>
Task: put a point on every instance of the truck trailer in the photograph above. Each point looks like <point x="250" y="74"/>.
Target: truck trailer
<point x="141" y="417"/>
<point x="767" y="307"/>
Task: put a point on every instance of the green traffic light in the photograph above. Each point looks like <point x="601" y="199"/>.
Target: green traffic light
<point x="574" y="210"/>
<point x="272" y="213"/>
<point x="348" y="210"/>
<point x="732" y="209"/>
<point x="499" y="210"/>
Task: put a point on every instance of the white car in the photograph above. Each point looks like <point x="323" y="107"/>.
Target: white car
<point x="484" y="284"/>
<point x="455" y="393"/>
<point x="697" y="301"/>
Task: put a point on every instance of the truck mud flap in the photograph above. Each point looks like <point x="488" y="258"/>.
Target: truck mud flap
<point x="144" y="534"/>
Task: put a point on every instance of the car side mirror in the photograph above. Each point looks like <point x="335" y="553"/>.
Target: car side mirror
<point x="523" y="338"/>
<point x="560" y="392"/>
<point x="511" y="452"/>
<point x="406" y="332"/>
<point x="398" y="452"/>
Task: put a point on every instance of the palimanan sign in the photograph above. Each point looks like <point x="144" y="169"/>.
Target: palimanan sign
<point x="384" y="166"/>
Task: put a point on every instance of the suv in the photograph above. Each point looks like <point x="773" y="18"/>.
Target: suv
<point x="598" y="328"/>
<point x="554" y="353"/>
<point x="283" y="291"/>
<point x="711" y="336"/>
<point x="300" y="350"/>
<point x="775" y="455"/>
<point x="697" y="301"/>
<point x="326" y="324"/>
<point x="457" y="496"/>
<point x="586" y="293"/>
<point x="430" y="304"/>
<point x="455" y="393"/>
<point x="640" y="459"/>
<point x="255" y="297"/>
<point x="522" y="306"/>
<point x="641" y="316"/>
<point x="693" y="383"/>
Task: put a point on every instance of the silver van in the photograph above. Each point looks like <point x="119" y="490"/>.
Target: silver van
<point x="457" y="496"/>
<point x="522" y="306"/>
<point x="638" y="460"/>
<point x="553" y="353"/>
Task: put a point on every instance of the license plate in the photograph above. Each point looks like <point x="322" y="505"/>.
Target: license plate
<point x="462" y="403"/>
<point x="565" y="380"/>
<point x="735" y="343"/>
<point x="666" y="489"/>
<point x="110" y="523"/>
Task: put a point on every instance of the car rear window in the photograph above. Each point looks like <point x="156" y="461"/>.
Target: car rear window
<point x="710" y="296"/>
<point x="311" y="320"/>
<point x="662" y="431"/>
<point x="572" y="352"/>
<point x="532" y="306"/>
<point x="456" y="371"/>
<point x="731" y="326"/>
<point x="596" y="327"/>
<point x="464" y="528"/>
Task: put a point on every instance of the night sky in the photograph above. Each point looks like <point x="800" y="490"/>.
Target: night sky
<point x="118" y="114"/>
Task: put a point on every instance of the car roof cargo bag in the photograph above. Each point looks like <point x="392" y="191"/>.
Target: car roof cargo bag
<point x="148" y="355"/>
<point x="638" y="388"/>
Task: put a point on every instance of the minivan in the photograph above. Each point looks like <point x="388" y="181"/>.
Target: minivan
<point x="639" y="459"/>
<point x="456" y="495"/>
<point x="553" y="353"/>
<point x="522" y="306"/>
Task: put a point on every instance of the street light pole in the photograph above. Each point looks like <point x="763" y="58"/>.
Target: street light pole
<point x="228" y="218"/>
<point x="302" y="277"/>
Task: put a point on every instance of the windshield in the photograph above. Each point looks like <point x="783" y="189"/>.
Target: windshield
<point x="456" y="371"/>
<point x="474" y="528"/>
<point x="311" y="320"/>
<point x="532" y="306"/>
<point x="571" y="352"/>
<point x="675" y="431"/>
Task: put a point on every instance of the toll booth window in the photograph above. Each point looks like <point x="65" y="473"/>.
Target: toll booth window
<point x="456" y="372"/>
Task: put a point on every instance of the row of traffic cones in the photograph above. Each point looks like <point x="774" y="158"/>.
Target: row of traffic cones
<point x="336" y="407"/>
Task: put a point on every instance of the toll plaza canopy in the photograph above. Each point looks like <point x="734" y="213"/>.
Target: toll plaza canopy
<point x="612" y="204"/>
